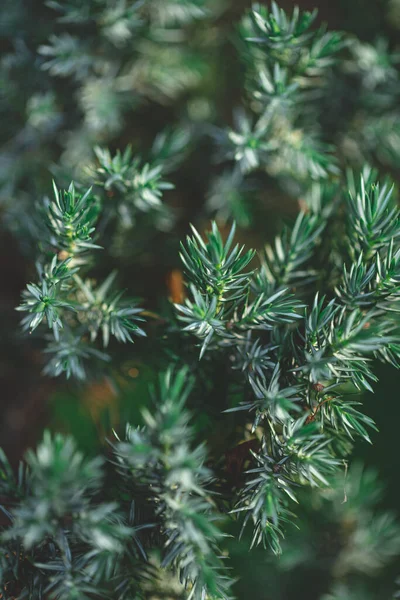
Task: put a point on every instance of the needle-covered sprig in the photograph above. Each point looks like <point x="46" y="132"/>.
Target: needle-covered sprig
<point x="162" y="459"/>
<point x="42" y="303"/>
<point x="214" y="267"/>
<point x="286" y="262"/>
<point x="275" y="29"/>
<point x="248" y="144"/>
<point x="302" y="361"/>
<point x="201" y="317"/>
<point x="289" y="68"/>
<point x="374" y="217"/>
<point x="45" y="300"/>
<point x="71" y="356"/>
<point x="71" y="305"/>
<point x="71" y="220"/>
<point x="106" y="312"/>
<point x="132" y="186"/>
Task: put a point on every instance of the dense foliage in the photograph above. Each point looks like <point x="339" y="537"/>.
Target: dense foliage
<point x="273" y="350"/>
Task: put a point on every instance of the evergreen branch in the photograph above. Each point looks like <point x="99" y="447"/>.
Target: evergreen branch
<point x="178" y="481"/>
<point x="67" y="302"/>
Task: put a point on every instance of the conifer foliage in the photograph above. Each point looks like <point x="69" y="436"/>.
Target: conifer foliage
<point x="296" y="329"/>
<point x="78" y="528"/>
